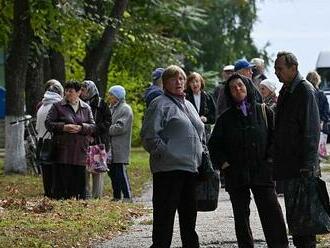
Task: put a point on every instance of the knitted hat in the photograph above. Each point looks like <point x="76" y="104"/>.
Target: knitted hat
<point x="118" y="91"/>
<point x="269" y="84"/>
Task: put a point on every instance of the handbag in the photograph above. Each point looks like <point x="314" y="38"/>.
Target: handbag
<point x="205" y="170"/>
<point x="97" y="156"/>
<point x="44" y="151"/>
<point x="96" y="161"/>
<point x="307" y="206"/>
<point x="207" y="193"/>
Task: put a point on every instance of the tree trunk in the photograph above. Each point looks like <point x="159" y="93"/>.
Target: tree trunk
<point x="15" y="76"/>
<point x="98" y="57"/>
<point x="34" y="89"/>
<point x="57" y="65"/>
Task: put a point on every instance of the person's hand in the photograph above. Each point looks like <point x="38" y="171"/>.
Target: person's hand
<point x="306" y="172"/>
<point x="71" y="128"/>
<point x="225" y="165"/>
<point x="203" y="119"/>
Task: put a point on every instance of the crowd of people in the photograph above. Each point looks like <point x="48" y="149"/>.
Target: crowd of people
<point x="258" y="141"/>
<point x="74" y="117"/>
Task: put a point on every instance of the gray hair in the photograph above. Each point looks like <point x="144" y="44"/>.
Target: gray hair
<point x="290" y="58"/>
<point x="314" y="78"/>
<point x="57" y="88"/>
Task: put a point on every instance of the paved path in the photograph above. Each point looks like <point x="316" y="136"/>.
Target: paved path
<point x="215" y="229"/>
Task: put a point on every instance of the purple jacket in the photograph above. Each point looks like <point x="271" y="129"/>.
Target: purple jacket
<point x="70" y="148"/>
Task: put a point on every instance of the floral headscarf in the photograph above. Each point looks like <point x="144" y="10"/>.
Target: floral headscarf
<point x="91" y="90"/>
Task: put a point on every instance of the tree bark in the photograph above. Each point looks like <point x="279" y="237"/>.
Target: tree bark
<point x="57" y="66"/>
<point x="97" y="60"/>
<point x="15" y="76"/>
<point x="34" y="88"/>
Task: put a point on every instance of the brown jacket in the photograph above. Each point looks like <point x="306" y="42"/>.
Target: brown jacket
<point x="70" y="148"/>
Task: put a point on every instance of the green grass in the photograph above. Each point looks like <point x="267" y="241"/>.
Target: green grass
<point x="27" y="219"/>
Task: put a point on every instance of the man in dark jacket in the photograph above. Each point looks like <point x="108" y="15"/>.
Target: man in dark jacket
<point x="297" y="131"/>
<point x="156" y="89"/>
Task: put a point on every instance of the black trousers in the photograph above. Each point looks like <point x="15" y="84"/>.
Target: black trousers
<point x="119" y="181"/>
<point x="69" y="181"/>
<point x="47" y="178"/>
<point x="174" y="190"/>
<point x="270" y="214"/>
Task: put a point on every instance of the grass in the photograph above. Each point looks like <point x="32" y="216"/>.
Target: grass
<point x="27" y="219"/>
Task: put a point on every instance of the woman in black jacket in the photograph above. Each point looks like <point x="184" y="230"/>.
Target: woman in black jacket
<point x="202" y="101"/>
<point x="240" y="146"/>
<point x="102" y="117"/>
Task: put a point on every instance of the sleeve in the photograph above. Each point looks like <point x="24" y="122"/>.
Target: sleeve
<point x="88" y="127"/>
<point x="104" y="125"/>
<point x="211" y="109"/>
<point x="152" y="127"/>
<point x="309" y="123"/>
<point x="216" y="145"/>
<point x="51" y="123"/>
<point x="324" y="108"/>
<point x="122" y="124"/>
<point x="270" y="137"/>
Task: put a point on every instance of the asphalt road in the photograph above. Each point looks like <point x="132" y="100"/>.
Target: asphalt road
<point x="215" y="229"/>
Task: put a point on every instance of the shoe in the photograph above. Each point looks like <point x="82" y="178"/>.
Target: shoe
<point x="115" y="199"/>
<point x="128" y="200"/>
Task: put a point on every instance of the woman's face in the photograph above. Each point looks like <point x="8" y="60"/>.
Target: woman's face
<point x="71" y="95"/>
<point x="175" y="84"/>
<point x="237" y="89"/>
<point x="83" y="94"/>
<point x="195" y="85"/>
<point x="264" y="91"/>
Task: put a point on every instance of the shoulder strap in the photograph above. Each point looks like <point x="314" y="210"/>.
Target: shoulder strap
<point x="185" y="112"/>
<point x="264" y="114"/>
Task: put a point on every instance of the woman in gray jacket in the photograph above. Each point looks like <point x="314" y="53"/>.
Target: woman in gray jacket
<point x="120" y="139"/>
<point x="172" y="133"/>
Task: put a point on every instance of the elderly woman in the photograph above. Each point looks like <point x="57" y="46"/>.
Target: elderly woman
<point x="71" y="122"/>
<point x="201" y="100"/>
<point x="239" y="144"/>
<point x="53" y="94"/>
<point x="267" y="90"/>
<point x="314" y="78"/>
<point x="102" y="117"/>
<point x="172" y="133"/>
<point x="120" y="139"/>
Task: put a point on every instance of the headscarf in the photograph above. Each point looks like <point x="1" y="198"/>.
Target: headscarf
<point x="91" y="90"/>
<point x="249" y="101"/>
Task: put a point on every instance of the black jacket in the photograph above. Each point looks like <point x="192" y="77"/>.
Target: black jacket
<point x="297" y="129"/>
<point x="102" y="117"/>
<point x="244" y="142"/>
<point x="207" y="107"/>
<point x="323" y="105"/>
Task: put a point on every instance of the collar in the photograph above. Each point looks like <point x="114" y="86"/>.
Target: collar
<point x="292" y="86"/>
<point x="81" y="103"/>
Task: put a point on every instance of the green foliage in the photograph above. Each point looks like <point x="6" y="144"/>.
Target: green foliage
<point x="134" y="85"/>
<point x="6" y="15"/>
<point x="226" y="36"/>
